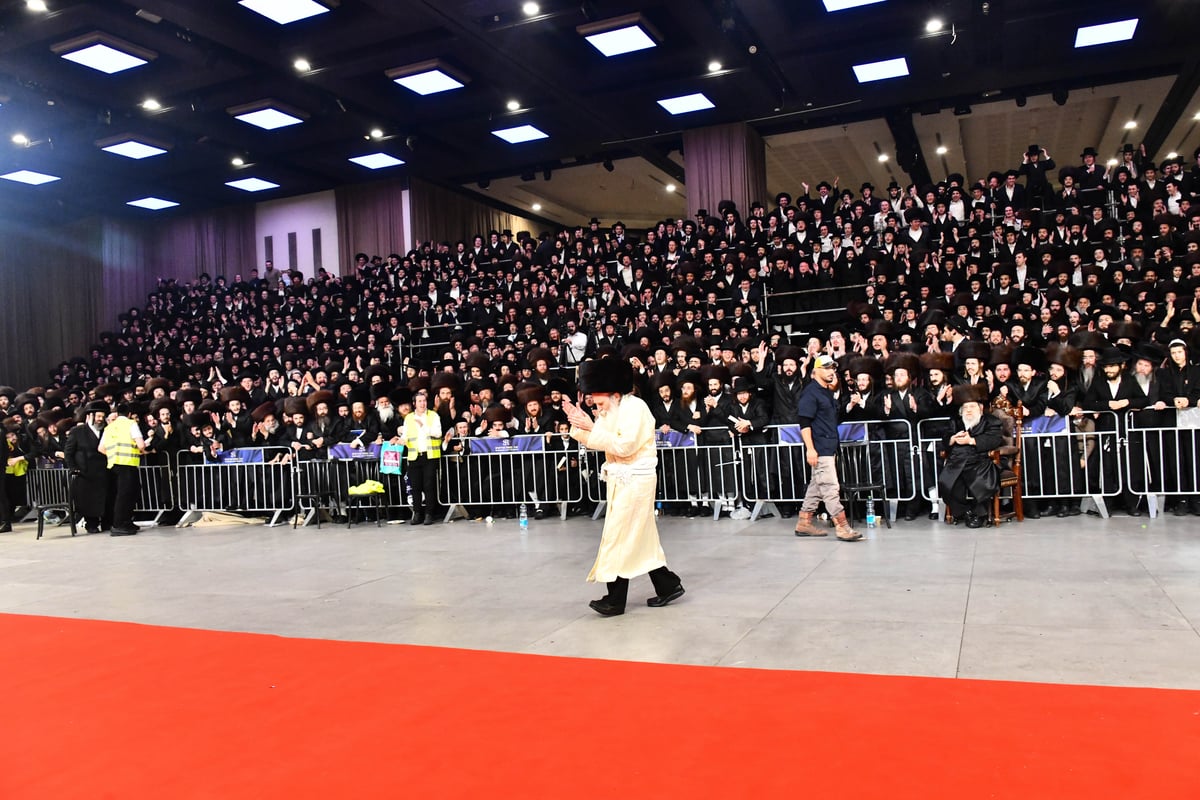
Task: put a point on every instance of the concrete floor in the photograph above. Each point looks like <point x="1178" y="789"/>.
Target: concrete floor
<point x="1078" y="600"/>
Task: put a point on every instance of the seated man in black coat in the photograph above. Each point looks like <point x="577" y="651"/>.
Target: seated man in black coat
<point x="968" y="470"/>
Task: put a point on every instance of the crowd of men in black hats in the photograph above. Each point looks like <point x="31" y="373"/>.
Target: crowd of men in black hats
<point x="1040" y="282"/>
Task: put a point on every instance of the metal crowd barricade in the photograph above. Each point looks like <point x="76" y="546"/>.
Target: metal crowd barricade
<point x="1077" y="457"/>
<point x="156" y="495"/>
<point x="332" y="478"/>
<point x="507" y="472"/>
<point x="1160" y="461"/>
<point x="251" y="480"/>
<point x="930" y="433"/>
<point x="694" y="470"/>
<point x="871" y="453"/>
<point x="49" y="488"/>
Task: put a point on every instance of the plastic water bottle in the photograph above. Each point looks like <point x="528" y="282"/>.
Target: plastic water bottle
<point x="871" y="512"/>
<point x="658" y="509"/>
<point x="523" y="518"/>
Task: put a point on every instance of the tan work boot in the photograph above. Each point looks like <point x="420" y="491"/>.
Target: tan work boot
<point x="805" y="526"/>
<point x="843" y="529"/>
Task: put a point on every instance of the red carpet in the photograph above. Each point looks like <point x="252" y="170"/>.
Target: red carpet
<point x="114" y="710"/>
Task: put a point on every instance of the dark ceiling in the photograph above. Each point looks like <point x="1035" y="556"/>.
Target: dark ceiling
<point x="786" y="65"/>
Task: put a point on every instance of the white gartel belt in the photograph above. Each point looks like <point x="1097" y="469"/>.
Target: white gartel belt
<point x="624" y="473"/>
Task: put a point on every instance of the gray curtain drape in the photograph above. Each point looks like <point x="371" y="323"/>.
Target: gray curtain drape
<point x="64" y="284"/>
<point x="370" y="219"/>
<point x="52" y="279"/>
<point x="724" y="162"/>
<point x="441" y="215"/>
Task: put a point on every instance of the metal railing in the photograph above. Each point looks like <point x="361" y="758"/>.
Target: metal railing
<point x="486" y="472"/>
<point x="1159" y="460"/>
<point x="263" y="482"/>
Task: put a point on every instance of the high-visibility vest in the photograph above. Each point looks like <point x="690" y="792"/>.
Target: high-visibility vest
<point x="410" y="437"/>
<point x="119" y="446"/>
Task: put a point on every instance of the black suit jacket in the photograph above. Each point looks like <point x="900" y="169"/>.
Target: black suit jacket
<point x="82" y="452"/>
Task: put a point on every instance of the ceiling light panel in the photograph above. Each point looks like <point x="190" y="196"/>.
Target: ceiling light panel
<point x="267" y="114"/>
<point x="1107" y="33"/>
<point x="30" y="177"/>
<point x="686" y="104"/>
<point x="252" y="184"/>
<point x="842" y="5"/>
<point x="521" y="133"/>
<point x="881" y="70"/>
<point x="104" y="53"/>
<point x="620" y="35"/>
<point x="285" y="12"/>
<point x="427" y="77"/>
<point x="129" y="147"/>
<point x="377" y="161"/>
<point x="152" y="203"/>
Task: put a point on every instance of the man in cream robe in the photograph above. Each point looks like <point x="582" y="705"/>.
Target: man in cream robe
<point x="624" y="431"/>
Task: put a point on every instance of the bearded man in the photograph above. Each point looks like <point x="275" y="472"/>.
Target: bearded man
<point x="967" y="469"/>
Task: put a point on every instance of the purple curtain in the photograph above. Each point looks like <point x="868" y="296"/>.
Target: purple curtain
<point x="442" y="215"/>
<point x="724" y="162"/>
<point x="370" y="219"/>
<point x="53" y="279"/>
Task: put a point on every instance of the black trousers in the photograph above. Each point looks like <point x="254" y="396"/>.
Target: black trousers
<point x="125" y="479"/>
<point x="960" y="504"/>
<point x="422" y="479"/>
<point x="663" y="579"/>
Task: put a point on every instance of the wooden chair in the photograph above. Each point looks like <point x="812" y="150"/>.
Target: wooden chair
<point x="1007" y="459"/>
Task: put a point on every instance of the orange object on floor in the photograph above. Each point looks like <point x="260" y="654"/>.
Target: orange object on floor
<point x="115" y="710"/>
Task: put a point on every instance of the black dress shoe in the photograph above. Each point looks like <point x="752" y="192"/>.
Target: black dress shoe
<point x="1033" y="513"/>
<point x="1072" y="510"/>
<point x="976" y="521"/>
<point x="1051" y="510"/>
<point x="933" y="515"/>
<point x="92" y="529"/>
<point x="1134" y="511"/>
<point x="659" y="601"/>
<point x="911" y="514"/>
<point x="1061" y="511"/>
<point x="6" y="527"/>
<point x="417" y="519"/>
<point x="119" y="531"/>
<point x="429" y="520"/>
<point x="605" y="609"/>
<point x="539" y="513"/>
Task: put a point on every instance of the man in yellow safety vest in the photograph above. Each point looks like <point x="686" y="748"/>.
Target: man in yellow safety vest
<point x="123" y="445"/>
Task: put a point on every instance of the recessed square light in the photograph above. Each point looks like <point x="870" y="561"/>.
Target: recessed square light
<point x="377" y="161"/>
<point x="1106" y="34"/>
<point x="621" y="41"/>
<point x="842" y="5"/>
<point x="285" y="11"/>
<point x="252" y="184"/>
<point x="431" y="82"/>
<point x="30" y="177"/>
<point x="685" y="104"/>
<point x="132" y="148"/>
<point x="521" y="133"/>
<point x="269" y="118"/>
<point x="427" y="77"/>
<point x="620" y="35"/>
<point x="881" y="70"/>
<point x="103" y="53"/>
<point x="152" y="203"/>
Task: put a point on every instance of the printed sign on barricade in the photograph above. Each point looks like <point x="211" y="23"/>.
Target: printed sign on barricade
<point x="242" y="455"/>
<point x="391" y="459"/>
<point x="674" y="439"/>
<point x="513" y="444"/>
<point x="348" y="452"/>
